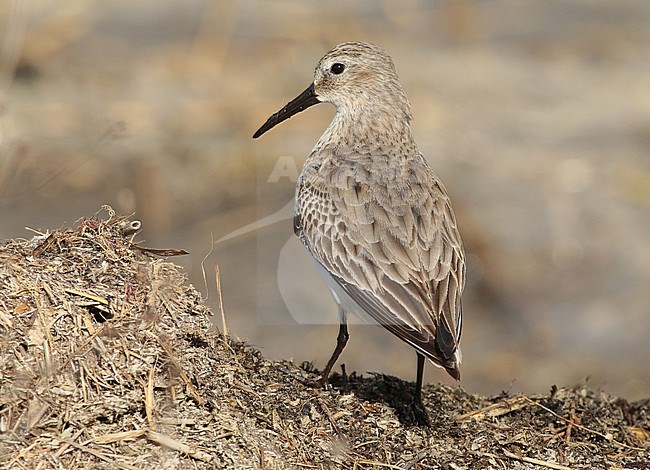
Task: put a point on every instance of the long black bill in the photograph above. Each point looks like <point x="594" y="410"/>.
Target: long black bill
<point x="301" y="102"/>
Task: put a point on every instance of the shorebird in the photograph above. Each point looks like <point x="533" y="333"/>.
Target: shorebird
<point x="372" y="213"/>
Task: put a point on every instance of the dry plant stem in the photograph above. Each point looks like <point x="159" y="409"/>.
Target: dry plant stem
<point x="217" y="274"/>
<point x="376" y="464"/>
<point x="171" y="443"/>
<point x="65" y="445"/>
<point x="150" y="401"/>
<point x="99" y="455"/>
<point x="510" y="455"/>
<point x="181" y="372"/>
<point x="331" y="419"/>
<point x="608" y="438"/>
<point x="496" y="409"/>
<point x="120" y="436"/>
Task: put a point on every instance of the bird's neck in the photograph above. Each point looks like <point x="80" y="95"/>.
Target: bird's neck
<point x="369" y="131"/>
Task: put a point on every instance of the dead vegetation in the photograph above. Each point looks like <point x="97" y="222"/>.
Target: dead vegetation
<point x="108" y="358"/>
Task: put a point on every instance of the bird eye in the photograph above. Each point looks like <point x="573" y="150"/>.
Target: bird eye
<point x="337" y="68"/>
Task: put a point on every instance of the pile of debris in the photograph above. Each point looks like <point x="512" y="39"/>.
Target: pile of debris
<point x="108" y="358"/>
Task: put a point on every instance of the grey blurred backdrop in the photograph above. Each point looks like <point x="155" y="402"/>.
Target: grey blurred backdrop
<point x="536" y="115"/>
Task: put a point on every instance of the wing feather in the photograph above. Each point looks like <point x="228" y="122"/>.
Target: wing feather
<point x="392" y="245"/>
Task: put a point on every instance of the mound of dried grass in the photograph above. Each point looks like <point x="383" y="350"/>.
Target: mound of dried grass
<point x="108" y="359"/>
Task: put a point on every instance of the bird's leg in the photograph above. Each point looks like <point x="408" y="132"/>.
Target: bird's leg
<point x="344" y="378"/>
<point x="341" y="341"/>
<point x="418" y="381"/>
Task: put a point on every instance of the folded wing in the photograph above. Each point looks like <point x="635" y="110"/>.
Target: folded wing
<point x="393" y="247"/>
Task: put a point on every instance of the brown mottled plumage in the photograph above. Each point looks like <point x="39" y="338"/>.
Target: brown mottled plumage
<point x="373" y="214"/>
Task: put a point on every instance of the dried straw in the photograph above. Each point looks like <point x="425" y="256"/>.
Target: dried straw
<point x="108" y="359"/>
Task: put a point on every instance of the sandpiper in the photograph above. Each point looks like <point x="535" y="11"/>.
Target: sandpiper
<point x="372" y="213"/>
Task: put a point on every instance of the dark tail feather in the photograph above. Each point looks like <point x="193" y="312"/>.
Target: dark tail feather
<point x="454" y="371"/>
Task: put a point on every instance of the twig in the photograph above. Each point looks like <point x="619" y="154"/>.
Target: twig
<point x="166" y="441"/>
<point x="331" y="419"/>
<point x="96" y="454"/>
<point x="521" y="458"/>
<point x="80" y="348"/>
<point x="217" y="275"/>
<point x="180" y="370"/>
<point x="65" y="445"/>
<point x="149" y="401"/>
<point x="377" y="464"/>
<point x="569" y="428"/>
<point x="362" y="444"/>
<point x="608" y="437"/>
<point x="160" y="251"/>
<point x="532" y="460"/>
<point x="205" y="279"/>
<point x="497" y="409"/>
<point x="119" y="436"/>
<point x="96" y="298"/>
<point x="22" y="454"/>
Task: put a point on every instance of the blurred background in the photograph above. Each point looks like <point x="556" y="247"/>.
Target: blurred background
<point x="536" y="115"/>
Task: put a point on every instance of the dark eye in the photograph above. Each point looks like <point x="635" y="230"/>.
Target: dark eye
<point x="337" y="68"/>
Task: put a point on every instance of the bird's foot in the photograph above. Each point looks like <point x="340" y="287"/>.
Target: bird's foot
<point x="418" y="412"/>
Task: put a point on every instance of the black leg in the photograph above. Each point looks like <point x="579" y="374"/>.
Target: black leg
<point x="344" y="378"/>
<point x="341" y="341"/>
<point x="418" y="381"/>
